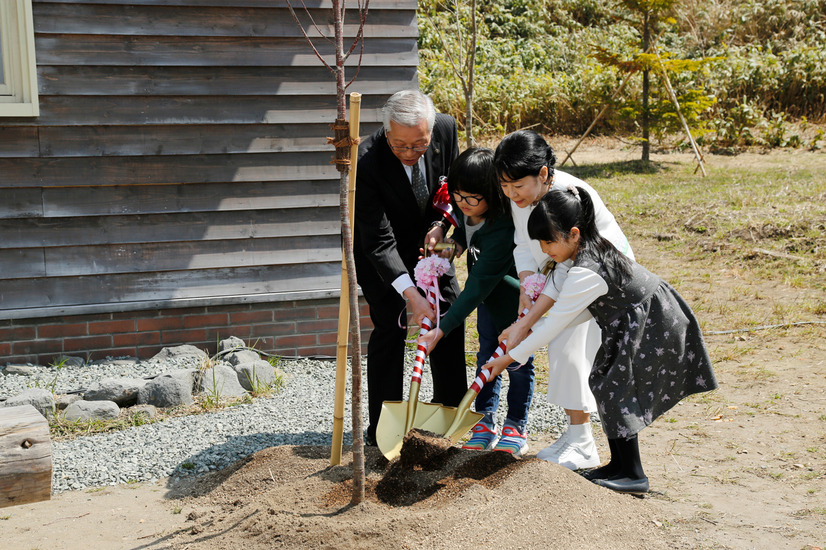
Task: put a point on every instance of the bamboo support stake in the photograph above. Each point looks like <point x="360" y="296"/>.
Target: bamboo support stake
<point x="599" y="116"/>
<point x="344" y="300"/>
<point x="673" y="97"/>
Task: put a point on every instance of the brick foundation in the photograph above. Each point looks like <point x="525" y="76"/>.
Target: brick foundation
<point x="299" y="328"/>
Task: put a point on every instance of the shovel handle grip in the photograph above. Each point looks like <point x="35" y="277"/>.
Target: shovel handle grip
<point x="481" y="379"/>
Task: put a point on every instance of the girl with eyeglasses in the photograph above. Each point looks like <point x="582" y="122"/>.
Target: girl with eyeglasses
<point x="492" y="288"/>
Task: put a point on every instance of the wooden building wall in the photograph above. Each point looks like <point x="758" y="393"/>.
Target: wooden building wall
<point x="180" y="159"/>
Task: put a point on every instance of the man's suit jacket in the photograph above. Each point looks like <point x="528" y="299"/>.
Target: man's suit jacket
<point x="389" y="230"/>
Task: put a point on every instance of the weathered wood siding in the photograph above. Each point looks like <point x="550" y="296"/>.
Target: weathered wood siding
<point x="180" y="158"/>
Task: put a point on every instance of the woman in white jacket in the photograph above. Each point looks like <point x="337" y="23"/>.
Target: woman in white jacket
<point x="525" y="166"/>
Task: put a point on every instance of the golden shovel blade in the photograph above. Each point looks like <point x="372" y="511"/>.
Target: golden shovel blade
<point x="393" y="422"/>
<point x="456" y="425"/>
<point x="456" y="421"/>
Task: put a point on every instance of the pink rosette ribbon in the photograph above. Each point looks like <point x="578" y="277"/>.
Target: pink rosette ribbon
<point x="441" y="202"/>
<point x="534" y="285"/>
<point x="427" y="273"/>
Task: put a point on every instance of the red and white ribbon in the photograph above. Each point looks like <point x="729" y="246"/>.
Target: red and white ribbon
<point x="441" y="202"/>
<point x="421" y="351"/>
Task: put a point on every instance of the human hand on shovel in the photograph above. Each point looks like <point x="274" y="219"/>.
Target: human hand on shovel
<point x="429" y="339"/>
<point x="420" y="308"/>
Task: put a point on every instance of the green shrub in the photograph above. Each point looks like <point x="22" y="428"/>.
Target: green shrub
<point x="764" y="61"/>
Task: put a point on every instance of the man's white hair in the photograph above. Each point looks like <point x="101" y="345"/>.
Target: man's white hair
<point x="409" y="108"/>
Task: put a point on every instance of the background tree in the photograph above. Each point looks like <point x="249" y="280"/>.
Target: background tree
<point x="647" y="16"/>
<point x="656" y="111"/>
<point x="746" y="73"/>
<point x="458" y="39"/>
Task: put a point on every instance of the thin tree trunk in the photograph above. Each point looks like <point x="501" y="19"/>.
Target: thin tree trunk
<point x="646" y="83"/>
<point x="346" y="145"/>
<point x="471" y="68"/>
<point x="347" y="238"/>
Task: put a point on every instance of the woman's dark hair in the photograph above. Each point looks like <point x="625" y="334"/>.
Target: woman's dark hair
<point x="560" y="211"/>
<point x="523" y="153"/>
<point x="472" y="174"/>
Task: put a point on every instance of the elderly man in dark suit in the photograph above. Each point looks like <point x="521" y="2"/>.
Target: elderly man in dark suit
<point x="398" y="172"/>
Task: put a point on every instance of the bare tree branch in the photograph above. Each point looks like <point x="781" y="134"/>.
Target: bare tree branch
<point x="306" y="36"/>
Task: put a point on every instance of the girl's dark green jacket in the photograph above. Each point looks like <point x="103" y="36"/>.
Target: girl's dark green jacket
<point x="492" y="276"/>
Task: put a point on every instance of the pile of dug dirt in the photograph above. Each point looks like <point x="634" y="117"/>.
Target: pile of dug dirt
<point x="433" y="496"/>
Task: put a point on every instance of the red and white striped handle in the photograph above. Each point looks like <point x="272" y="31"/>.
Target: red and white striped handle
<point x="421" y="352"/>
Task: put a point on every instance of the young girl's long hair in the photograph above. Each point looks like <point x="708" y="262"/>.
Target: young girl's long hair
<point x="560" y="211"/>
<point x="472" y="174"/>
<point x="523" y="153"/>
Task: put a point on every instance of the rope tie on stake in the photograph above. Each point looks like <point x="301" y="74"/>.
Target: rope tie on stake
<point x="342" y="142"/>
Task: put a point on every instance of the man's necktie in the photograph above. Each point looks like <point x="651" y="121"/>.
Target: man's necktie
<point x="420" y="188"/>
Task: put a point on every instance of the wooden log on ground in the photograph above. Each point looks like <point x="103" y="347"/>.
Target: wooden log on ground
<point x="25" y="456"/>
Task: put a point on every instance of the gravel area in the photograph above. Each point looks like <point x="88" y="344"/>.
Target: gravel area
<point x="300" y="413"/>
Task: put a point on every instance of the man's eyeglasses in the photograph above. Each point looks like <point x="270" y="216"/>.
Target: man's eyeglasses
<point x="417" y="149"/>
<point x="403" y="149"/>
<point x="469" y="199"/>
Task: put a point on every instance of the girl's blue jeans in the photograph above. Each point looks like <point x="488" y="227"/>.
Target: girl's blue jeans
<point x="520" y="389"/>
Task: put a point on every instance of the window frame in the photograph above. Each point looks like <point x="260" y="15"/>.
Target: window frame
<point x="18" y="93"/>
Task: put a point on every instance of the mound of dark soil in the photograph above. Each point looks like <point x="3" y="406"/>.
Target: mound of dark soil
<point x="429" y="463"/>
<point x="431" y="497"/>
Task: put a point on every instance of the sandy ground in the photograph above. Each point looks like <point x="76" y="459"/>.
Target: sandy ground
<point x="742" y="467"/>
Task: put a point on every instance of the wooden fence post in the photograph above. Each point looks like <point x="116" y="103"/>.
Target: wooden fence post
<point x="25" y="456"/>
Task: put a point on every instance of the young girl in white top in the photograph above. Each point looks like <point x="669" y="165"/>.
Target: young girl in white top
<point x="524" y="163"/>
<point x="652" y="353"/>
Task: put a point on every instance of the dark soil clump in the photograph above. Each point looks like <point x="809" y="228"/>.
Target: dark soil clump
<point x="429" y="464"/>
<point x="423" y="449"/>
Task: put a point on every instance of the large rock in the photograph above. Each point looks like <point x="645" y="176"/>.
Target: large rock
<point x="232" y="342"/>
<point x="255" y="375"/>
<point x="239" y="357"/>
<point x="21" y="370"/>
<point x="233" y="351"/>
<point x="39" y="398"/>
<point x="219" y="381"/>
<point x="166" y="391"/>
<point x="123" y="391"/>
<point x="91" y="410"/>
<point x="187" y="376"/>
<point x="64" y="400"/>
<point x="180" y="351"/>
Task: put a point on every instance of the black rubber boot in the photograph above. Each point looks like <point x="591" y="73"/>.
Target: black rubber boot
<point x="631" y="477"/>
<point x="608" y="470"/>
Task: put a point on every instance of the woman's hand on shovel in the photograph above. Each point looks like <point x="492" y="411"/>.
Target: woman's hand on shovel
<point x="498" y="365"/>
<point x="515" y="333"/>
<point x="429" y="339"/>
